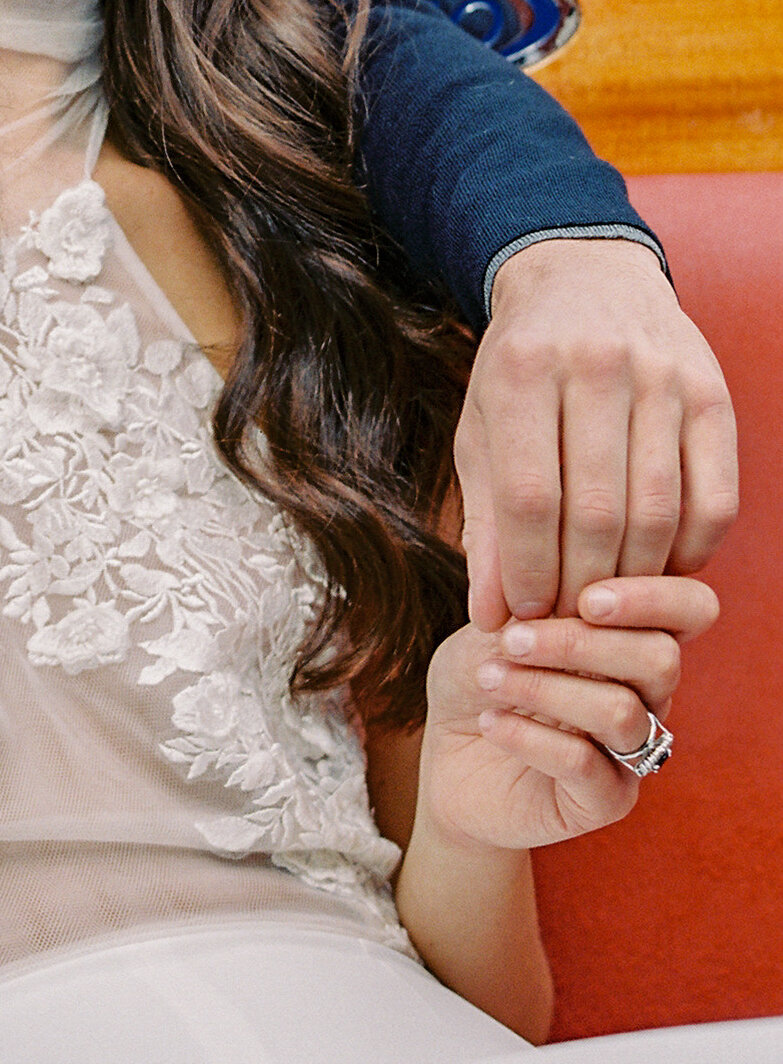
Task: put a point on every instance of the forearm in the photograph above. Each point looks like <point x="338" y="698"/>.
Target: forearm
<point x="464" y="155"/>
<point x="471" y="913"/>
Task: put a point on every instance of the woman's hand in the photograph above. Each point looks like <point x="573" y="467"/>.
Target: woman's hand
<point x="513" y="754"/>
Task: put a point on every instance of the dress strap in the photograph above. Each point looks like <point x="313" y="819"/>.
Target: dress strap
<point x="100" y="120"/>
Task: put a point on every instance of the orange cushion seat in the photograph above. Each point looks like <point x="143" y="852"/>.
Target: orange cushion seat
<point x="674" y="915"/>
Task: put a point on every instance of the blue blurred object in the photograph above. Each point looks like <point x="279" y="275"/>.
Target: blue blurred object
<point x="522" y="31"/>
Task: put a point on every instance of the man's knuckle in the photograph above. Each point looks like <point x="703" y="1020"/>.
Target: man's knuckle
<point x="710" y="520"/>
<point x="720" y="509"/>
<point x="474" y="530"/>
<point x="598" y="512"/>
<point x="531" y="497"/>
<point x="516" y="359"/>
<point x="525" y="354"/>
<point x="662" y="380"/>
<point x="656" y="513"/>
<point x="604" y="361"/>
<point x="655" y="526"/>
<point x="540" y="580"/>
<point x="534" y="588"/>
<point x="709" y="397"/>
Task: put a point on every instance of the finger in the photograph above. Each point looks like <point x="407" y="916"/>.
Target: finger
<point x="653" y="508"/>
<point x="611" y="713"/>
<point x="595" y="446"/>
<point x="647" y="661"/>
<point x="524" y="448"/>
<point x="675" y="604"/>
<point x="486" y="602"/>
<point x="710" y="485"/>
<point x="601" y="791"/>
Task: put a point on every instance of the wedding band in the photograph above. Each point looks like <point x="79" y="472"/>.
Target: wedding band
<point x="654" y="751"/>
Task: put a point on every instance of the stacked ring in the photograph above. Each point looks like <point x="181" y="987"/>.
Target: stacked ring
<point x="654" y="751"/>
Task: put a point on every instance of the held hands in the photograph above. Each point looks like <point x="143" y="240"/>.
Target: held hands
<point x="597" y="436"/>
<point x="512" y="754"/>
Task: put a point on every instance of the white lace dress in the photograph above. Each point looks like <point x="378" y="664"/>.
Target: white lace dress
<point x="150" y="605"/>
<point x="189" y="869"/>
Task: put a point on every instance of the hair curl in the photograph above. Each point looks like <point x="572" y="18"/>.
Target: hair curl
<point x="248" y="107"/>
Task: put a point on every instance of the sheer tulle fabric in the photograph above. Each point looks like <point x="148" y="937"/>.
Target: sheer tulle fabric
<point x="153" y="765"/>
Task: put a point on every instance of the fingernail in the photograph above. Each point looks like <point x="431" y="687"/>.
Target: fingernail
<point x="518" y="640"/>
<point x="600" y="601"/>
<point x="491" y="675"/>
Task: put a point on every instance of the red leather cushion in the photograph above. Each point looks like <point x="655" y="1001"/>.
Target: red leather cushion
<point x="676" y="915"/>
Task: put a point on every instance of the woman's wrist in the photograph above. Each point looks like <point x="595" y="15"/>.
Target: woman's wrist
<point x="435" y="841"/>
<point x="470" y="911"/>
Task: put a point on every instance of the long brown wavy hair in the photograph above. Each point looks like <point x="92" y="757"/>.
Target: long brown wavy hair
<point x="249" y="107"/>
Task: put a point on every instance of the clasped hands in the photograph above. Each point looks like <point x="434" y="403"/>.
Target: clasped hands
<point x="597" y="444"/>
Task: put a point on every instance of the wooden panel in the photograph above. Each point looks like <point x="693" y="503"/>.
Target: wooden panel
<point x="671" y="86"/>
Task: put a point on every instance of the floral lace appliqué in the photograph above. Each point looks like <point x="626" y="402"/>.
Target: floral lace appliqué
<point x="74" y="233"/>
<point x="128" y="544"/>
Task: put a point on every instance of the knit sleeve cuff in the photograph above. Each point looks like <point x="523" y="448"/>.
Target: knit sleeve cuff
<point x="569" y="232"/>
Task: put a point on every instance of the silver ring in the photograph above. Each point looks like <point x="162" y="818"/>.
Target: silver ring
<point x="654" y="751"/>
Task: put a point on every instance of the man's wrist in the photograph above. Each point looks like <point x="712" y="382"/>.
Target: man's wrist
<point x="623" y="234"/>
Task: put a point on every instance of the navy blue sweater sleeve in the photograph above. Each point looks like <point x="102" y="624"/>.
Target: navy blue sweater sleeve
<point x="466" y="159"/>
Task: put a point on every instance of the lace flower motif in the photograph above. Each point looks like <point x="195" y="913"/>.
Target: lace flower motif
<point x="89" y="358"/>
<point x="85" y="639"/>
<point x="75" y="233"/>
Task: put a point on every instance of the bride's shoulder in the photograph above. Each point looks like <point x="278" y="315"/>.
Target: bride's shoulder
<point x="162" y="228"/>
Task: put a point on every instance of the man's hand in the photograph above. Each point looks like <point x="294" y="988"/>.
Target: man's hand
<point x="597" y="437"/>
